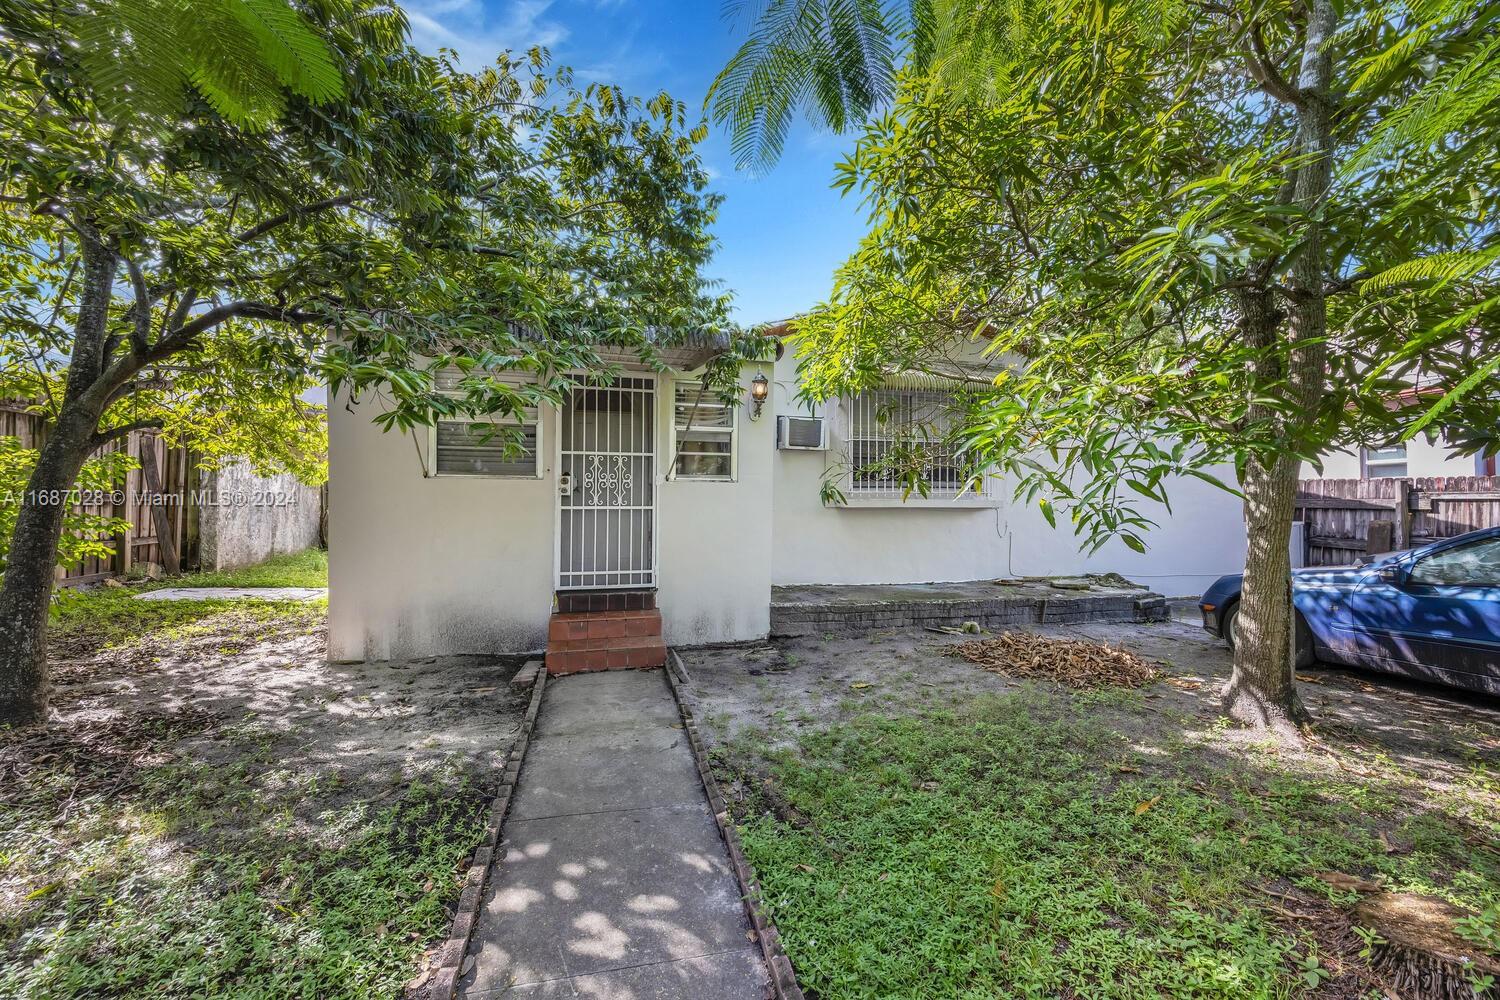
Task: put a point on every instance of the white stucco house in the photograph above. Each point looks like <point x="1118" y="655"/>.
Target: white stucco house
<point x="442" y="545"/>
<point x="1428" y="455"/>
<point x="1419" y="458"/>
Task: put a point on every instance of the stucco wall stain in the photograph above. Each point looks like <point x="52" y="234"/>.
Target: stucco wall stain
<point x="246" y="518"/>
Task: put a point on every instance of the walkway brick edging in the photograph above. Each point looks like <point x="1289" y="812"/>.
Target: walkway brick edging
<point x="444" y="982"/>
<point x="783" y="976"/>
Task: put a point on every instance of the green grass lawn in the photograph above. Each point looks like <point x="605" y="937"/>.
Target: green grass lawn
<point x="308" y="568"/>
<point x="87" y="619"/>
<point x="189" y="828"/>
<point x="1021" y="846"/>
<point x="185" y="879"/>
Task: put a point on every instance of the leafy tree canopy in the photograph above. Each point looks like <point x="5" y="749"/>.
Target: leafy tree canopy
<point x="1110" y="206"/>
<point x="400" y="215"/>
<point x="1199" y="231"/>
<point x="194" y="230"/>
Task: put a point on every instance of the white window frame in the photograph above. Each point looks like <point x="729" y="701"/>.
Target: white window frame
<point x="734" y="434"/>
<point x="1370" y="468"/>
<point x="857" y="408"/>
<point x="539" y="469"/>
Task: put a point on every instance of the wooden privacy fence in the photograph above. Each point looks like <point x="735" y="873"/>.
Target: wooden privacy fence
<point x="162" y="533"/>
<point x="1346" y="518"/>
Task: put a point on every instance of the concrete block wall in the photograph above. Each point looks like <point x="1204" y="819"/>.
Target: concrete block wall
<point x="255" y="517"/>
<point x="814" y="619"/>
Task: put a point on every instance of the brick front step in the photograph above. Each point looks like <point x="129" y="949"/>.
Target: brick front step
<point x="604" y="640"/>
<point x="594" y="625"/>
<point x="616" y="654"/>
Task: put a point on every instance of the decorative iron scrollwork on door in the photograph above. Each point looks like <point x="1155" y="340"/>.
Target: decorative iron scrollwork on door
<point x="606" y="486"/>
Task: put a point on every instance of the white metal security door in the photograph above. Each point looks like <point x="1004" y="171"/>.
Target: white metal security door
<point x="607" y="487"/>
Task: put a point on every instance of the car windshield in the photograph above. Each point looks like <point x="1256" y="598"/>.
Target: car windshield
<point x="1476" y="564"/>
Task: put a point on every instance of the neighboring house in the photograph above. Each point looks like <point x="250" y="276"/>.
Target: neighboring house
<point x="1418" y="458"/>
<point x="443" y="544"/>
<point x="1422" y="457"/>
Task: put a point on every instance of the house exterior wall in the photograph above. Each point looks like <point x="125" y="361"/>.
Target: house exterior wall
<point x="425" y="566"/>
<point x="1424" y="459"/>
<point x="715" y="550"/>
<point x="421" y="566"/>
<point x="1202" y="539"/>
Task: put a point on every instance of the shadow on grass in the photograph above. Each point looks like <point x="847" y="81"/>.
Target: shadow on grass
<point x="249" y="823"/>
<point x="1030" y="841"/>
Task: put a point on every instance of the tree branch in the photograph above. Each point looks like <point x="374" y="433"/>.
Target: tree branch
<point x="104" y="437"/>
<point x="1263" y="69"/>
<point x="140" y="309"/>
<point x="263" y="227"/>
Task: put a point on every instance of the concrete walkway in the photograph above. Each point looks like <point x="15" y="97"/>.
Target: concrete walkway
<point x="614" y="882"/>
<point x="234" y="594"/>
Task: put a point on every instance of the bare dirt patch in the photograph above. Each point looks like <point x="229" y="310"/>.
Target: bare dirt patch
<point x="788" y="686"/>
<point x="218" y="780"/>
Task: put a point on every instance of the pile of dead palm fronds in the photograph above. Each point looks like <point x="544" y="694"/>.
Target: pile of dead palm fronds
<point x="1074" y="662"/>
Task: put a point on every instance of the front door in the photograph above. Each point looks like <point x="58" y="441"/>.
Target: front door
<point x="607" y="487"/>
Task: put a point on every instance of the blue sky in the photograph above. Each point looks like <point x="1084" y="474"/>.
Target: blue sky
<point x="780" y="235"/>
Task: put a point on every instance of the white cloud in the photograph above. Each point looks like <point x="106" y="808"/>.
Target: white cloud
<point x="478" y="31"/>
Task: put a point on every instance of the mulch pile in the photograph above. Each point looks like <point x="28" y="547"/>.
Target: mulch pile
<point x="1075" y="662"/>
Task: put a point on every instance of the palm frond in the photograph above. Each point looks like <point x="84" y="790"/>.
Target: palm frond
<point x="834" y="60"/>
<point x="298" y="56"/>
<point x="1435" y="269"/>
<point x="242" y="56"/>
<point x="1445" y="106"/>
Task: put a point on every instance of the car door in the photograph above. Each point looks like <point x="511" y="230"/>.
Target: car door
<point x="1436" y="615"/>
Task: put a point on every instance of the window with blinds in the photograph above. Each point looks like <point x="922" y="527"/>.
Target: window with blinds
<point x="498" y="445"/>
<point x="703" y="429"/>
<point x="1385" y="463"/>
<point x="896" y="432"/>
<point x="485" y="448"/>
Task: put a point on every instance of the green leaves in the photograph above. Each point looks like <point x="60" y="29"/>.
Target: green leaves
<point x="1114" y="214"/>
<point x="242" y="56"/>
<point x="331" y="205"/>
<point x="832" y="58"/>
<point x="1454" y="99"/>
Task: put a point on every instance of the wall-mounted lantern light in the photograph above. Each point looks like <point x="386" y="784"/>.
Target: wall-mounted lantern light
<point x="760" y="389"/>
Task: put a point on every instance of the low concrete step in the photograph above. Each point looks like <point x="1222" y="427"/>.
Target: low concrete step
<point x="632" y="654"/>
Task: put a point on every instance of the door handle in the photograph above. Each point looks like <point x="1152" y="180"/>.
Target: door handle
<point x="564" y="485"/>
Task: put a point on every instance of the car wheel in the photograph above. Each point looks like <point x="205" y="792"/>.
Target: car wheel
<point x="1231" y="625"/>
<point x="1302" y="655"/>
<point x="1302" y="647"/>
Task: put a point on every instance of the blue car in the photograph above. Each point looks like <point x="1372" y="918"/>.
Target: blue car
<point x="1431" y="613"/>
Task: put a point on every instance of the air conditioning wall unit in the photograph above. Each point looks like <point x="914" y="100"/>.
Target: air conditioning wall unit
<point x="801" y="433"/>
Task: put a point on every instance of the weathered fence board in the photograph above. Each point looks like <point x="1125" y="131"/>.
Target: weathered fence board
<point x="1338" y="513"/>
<point x="176" y="479"/>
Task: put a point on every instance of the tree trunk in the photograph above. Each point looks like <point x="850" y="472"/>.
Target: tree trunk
<point x="1262" y="691"/>
<point x="26" y="593"/>
<point x="30" y="568"/>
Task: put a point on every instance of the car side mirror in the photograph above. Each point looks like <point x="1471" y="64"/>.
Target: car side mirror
<point x="1394" y="575"/>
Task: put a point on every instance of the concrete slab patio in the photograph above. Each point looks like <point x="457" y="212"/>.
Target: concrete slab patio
<point x="614" y="882"/>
